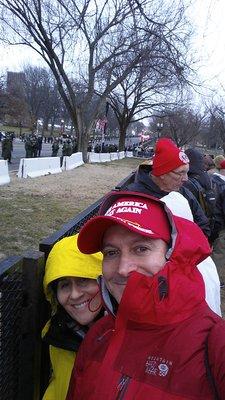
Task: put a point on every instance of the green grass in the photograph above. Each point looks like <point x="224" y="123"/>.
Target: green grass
<point x="33" y="209"/>
<point x="27" y="219"/>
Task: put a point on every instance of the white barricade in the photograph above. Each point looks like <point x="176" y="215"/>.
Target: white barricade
<point x="104" y="157"/>
<point x="114" y="156"/>
<point x="4" y="172"/>
<point x="74" y="161"/>
<point x="94" y="157"/>
<point x="121" y="155"/>
<point x="129" y="154"/>
<point x="33" y="167"/>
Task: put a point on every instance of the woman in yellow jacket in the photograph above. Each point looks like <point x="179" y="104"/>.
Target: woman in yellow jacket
<point x="71" y="287"/>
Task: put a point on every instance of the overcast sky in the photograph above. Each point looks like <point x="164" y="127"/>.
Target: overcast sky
<point x="209" y="41"/>
<point x="209" y="18"/>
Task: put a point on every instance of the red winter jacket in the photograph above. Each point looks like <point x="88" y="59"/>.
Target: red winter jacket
<point x="156" y="346"/>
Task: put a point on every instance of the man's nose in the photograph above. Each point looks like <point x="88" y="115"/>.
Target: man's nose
<point x="185" y="178"/>
<point x="126" y="266"/>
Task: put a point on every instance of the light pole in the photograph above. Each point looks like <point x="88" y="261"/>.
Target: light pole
<point x="62" y="126"/>
<point x="159" y="128"/>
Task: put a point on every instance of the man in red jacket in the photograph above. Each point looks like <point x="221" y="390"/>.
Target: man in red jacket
<point x="159" y="340"/>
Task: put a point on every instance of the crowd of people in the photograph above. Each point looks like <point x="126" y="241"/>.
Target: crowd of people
<point x="135" y="295"/>
<point x="67" y="144"/>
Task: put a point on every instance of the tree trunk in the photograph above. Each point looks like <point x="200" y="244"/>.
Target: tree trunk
<point x="122" y="138"/>
<point x="85" y="137"/>
<point x="82" y="133"/>
<point x="78" y="120"/>
<point x="45" y="125"/>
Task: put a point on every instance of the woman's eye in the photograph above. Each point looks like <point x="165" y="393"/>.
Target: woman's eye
<point x="63" y="284"/>
<point x="82" y="281"/>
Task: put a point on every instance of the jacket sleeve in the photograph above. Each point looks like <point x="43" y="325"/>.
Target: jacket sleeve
<point x="198" y="214"/>
<point x="216" y="357"/>
<point x="76" y="377"/>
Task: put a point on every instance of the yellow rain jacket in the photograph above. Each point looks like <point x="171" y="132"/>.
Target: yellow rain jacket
<point x="65" y="260"/>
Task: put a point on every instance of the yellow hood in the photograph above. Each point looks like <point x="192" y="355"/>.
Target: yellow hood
<point x="66" y="260"/>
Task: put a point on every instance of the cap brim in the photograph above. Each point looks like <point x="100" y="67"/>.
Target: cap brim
<point x="91" y="235"/>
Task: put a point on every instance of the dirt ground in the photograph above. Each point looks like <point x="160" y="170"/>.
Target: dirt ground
<point x="32" y="209"/>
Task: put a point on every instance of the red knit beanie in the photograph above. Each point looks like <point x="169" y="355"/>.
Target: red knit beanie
<point x="167" y="157"/>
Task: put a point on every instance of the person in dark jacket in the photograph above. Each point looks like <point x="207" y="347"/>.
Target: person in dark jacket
<point x="55" y="148"/>
<point x="39" y="145"/>
<point x="168" y="173"/>
<point x="197" y="170"/>
<point x="7" y="147"/>
<point x="200" y="183"/>
<point x="218" y="253"/>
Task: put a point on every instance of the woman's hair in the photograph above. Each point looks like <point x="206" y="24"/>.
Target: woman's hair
<point x="53" y="286"/>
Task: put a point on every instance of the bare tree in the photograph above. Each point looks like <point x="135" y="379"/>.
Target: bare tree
<point x="148" y="88"/>
<point x="42" y="95"/>
<point x="89" y="40"/>
<point x="36" y="84"/>
<point x="217" y="125"/>
<point x="15" y="108"/>
<point x="183" y="125"/>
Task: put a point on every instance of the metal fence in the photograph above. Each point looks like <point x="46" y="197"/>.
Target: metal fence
<point x="24" y="361"/>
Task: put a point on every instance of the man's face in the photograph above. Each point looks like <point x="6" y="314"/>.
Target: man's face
<point x="125" y="251"/>
<point x="173" y="180"/>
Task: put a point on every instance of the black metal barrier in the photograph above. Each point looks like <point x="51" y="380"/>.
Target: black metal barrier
<point x="24" y="361"/>
<point x="20" y="325"/>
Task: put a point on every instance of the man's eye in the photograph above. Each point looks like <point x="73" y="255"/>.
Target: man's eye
<point x="141" y="249"/>
<point x="109" y="253"/>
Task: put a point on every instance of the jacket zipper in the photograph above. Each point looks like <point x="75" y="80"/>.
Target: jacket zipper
<point x="122" y="387"/>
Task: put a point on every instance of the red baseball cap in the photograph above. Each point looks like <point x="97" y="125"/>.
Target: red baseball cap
<point x="139" y="213"/>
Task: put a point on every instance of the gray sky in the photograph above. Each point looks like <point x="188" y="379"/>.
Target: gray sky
<point x="209" y="44"/>
<point x="209" y="40"/>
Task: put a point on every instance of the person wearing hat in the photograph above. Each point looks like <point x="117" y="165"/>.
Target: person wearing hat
<point x="70" y="286"/>
<point x="160" y="340"/>
<point x="201" y="184"/>
<point x="217" y="160"/>
<point x="168" y="173"/>
<point x="218" y="253"/>
<point x="209" y="164"/>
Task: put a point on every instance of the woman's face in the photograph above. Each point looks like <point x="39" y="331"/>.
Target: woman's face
<point x="80" y="297"/>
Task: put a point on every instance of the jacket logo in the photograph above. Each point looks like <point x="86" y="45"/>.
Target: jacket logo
<point x="157" y="366"/>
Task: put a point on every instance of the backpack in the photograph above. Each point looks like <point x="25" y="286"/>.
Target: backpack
<point x="218" y="184"/>
<point x="206" y="197"/>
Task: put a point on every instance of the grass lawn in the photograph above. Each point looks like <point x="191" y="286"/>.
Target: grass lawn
<point x="32" y="209"/>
